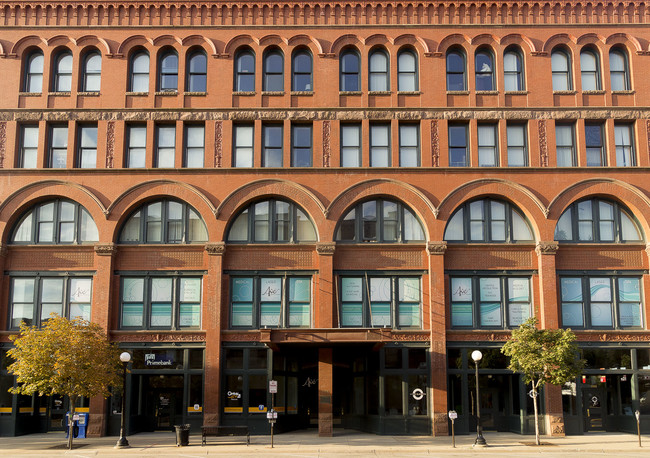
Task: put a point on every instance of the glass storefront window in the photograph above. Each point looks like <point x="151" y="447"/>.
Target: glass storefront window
<point x="601" y="358"/>
<point x="233" y="392"/>
<point x="196" y="359"/>
<point x="417" y="407"/>
<point x="644" y="394"/>
<point x="158" y="359"/>
<point x="454" y="358"/>
<point x="643" y="358"/>
<point x="196" y="394"/>
<point x="393" y="358"/>
<point x="393" y="394"/>
<point x="257" y="359"/>
<point x="257" y="391"/>
<point x="234" y="358"/>
<point x="569" y="398"/>
<point x="417" y="358"/>
<point x="6" y="398"/>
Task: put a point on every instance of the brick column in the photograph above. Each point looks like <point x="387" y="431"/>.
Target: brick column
<point x="325" y="309"/>
<point x="325" y="387"/>
<point x="4" y="287"/>
<point x="438" y="350"/>
<point x="549" y="318"/>
<point x="100" y="314"/>
<point x="212" y="325"/>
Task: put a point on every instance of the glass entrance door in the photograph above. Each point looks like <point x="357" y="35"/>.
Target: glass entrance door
<point x="593" y="407"/>
<point x="164" y="396"/>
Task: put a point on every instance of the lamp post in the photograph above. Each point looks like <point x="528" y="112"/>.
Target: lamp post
<point x="480" y="440"/>
<point x="125" y="357"/>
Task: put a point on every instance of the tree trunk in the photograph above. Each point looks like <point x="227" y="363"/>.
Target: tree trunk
<point x="536" y="416"/>
<point x="73" y="402"/>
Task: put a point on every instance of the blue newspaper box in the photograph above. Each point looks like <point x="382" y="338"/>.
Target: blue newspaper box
<point x="79" y="425"/>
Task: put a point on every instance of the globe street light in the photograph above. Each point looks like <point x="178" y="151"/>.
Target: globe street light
<point x="125" y="357"/>
<point x="480" y="440"/>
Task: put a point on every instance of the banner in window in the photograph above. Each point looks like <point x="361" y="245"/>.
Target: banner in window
<point x="600" y="289"/>
<point x="351" y="289"/>
<point x="491" y="314"/>
<point x="572" y="315"/>
<point x="461" y="314"/>
<point x="628" y="290"/>
<point x="518" y="290"/>
<point x="190" y="290"/>
<point x="380" y="289"/>
<point x="409" y="290"/>
<point x="601" y="314"/>
<point x="271" y="289"/>
<point x="242" y="290"/>
<point x="461" y="289"/>
<point x="518" y="313"/>
<point x="490" y="289"/>
<point x="630" y="314"/>
<point x="571" y="289"/>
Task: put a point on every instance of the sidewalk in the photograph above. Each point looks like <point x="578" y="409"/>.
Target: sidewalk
<point x="345" y="443"/>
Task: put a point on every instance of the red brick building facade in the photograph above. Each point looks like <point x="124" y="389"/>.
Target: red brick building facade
<point x="345" y="197"/>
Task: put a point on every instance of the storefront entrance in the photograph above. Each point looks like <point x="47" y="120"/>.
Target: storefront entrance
<point x="593" y="406"/>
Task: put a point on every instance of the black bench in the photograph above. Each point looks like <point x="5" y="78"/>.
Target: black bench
<point x="221" y="431"/>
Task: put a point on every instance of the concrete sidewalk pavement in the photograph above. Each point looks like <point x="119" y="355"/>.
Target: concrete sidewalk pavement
<point x="345" y="443"/>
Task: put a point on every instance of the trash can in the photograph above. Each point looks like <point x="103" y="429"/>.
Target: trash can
<point x="182" y="435"/>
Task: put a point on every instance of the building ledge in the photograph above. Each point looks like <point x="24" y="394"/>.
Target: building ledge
<point x="89" y="93"/>
<point x="196" y="94"/>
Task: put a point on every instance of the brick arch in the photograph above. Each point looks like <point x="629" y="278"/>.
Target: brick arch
<point x="15" y="205"/>
<point x="167" y="40"/>
<point x="485" y="39"/>
<point x="559" y="39"/>
<point x="523" y="198"/>
<point x="522" y="41"/>
<point x="277" y="40"/>
<point x="307" y="41"/>
<point x="61" y="40"/>
<point x="455" y="39"/>
<point x="345" y="41"/>
<point x="136" y="195"/>
<point x="99" y="43"/>
<point x="625" y="39"/>
<point x="411" y="196"/>
<point x="628" y="195"/>
<point x="27" y="43"/>
<point x="590" y="38"/>
<point x="284" y="189"/>
<point x="416" y="42"/>
<point x="134" y="41"/>
<point x="240" y="40"/>
<point x="378" y="39"/>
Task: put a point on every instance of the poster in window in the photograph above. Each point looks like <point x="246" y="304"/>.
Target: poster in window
<point x="628" y="290"/>
<point x="161" y="315"/>
<point x="518" y="313"/>
<point x="242" y="289"/>
<point x="630" y="314"/>
<point x="80" y="289"/>
<point x="271" y="289"/>
<point x="461" y="314"/>
<point x="270" y="314"/>
<point x="409" y="290"/>
<point x="380" y="312"/>
<point x="299" y="314"/>
<point x="352" y="314"/>
<point x="600" y="289"/>
<point x="490" y="289"/>
<point x="380" y="289"/>
<point x="572" y="315"/>
<point x="161" y="289"/>
<point x="242" y="314"/>
<point x="300" y="290"/>
<point x="133" y="289"/>
<point x="491" y="314"/>
<point x="409" y="315"/>
<point x="601" y="314"/>
<point x="518" y="290"/>
<point x="190" y="315"/>
<point x="190" y="290"/>
<point x="351" y="289"/>
<point x="461" y="289"/>
<point x="132" y="314"/>
<point x="571" y="289"/>
<point x="80" y="310"/>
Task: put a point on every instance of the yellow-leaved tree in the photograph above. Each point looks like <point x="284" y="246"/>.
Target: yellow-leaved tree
<point x="66" y="357"/>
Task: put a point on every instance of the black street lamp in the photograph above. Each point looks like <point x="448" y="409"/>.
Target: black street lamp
<point x="125" y="357"/>
<point x="480" y="440"/>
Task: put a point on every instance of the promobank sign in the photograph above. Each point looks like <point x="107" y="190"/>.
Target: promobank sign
<point x="155" y="359"/>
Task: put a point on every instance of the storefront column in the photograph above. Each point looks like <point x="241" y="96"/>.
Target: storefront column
<point x="325" y="387"/>
<point x="549" y="318"/>
<point x="438" y="350"/>
<point x="326" y="302"/>
<point x="102" y="298"/>
<point x="212" y="325"/>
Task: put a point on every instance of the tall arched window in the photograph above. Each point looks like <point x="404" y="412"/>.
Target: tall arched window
<point x="379" y="75"/>
<point x="597" y="220"/>
<point x="513" y="70"/>
<point x="350" y="68"/>
<point x="273" y="71"/>
<point x="245" y="71"/>
<point x="618" y="70"/>
<point x="380" y="220"/>
<point x="589" y="70"/>
<point x="168" y="71"/>
<point x="139" y="80"/>
<point x="272" y="221"/>
<point x="456" y="68"/>
<point x="407" y="71"/>
<point x="57" y="221"/>
<point x="92" y="72"/>
<point x="301" y="71"/>
<point x="484" y="70"/>
<point x="164" y="221"/>
<point x="34" y="72"/>
<point x="561" y="69"/>
<point x="488" y="220"/>
<point x="63" y="72"/>
<point x="197" y="71"/>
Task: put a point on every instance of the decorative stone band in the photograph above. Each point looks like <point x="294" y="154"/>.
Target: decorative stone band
<point x="436" y="247"/>
<point x="325" y="249"/>
<point x="547" y="248"/>
<point x="216" y="249"/>
<point x="105" y="249"/>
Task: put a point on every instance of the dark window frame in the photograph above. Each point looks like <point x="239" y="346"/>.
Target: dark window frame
<point x="402" y="147"/>
<point x="196" y="77"/>
<point x="480" y="73"/>
<point x="270" y="148"/>
<point x="344" y="73"/>
<point x="242" y="77"/>
<point x="567" y="75"/>
<point x="22" y="148"/>
<point x="130" y="149"/>
<point x="401" y="72"/>
<point x="133" y="75"/>
<point x="524" y="146"/>
<point x="187" y="148"/>
<point x="572" y="146"/>
<point x="601" y="146"/>
<point x="267" y="73"/>
<point x="296" y="73"/>
<point x="518" y="73"/>
<point x="81" y="148"/>
<point x="297" y="149"/>
<point x="169" y="72"/>
<point x="456" y="147"/>
<point x="86" y="72"/>
<point x="29" y="71"/>
<point x="454" y="73"/>
<point x="159" y="147"/>
<point x="595" y="74"/>
<point x="53" y="149"/>
<point x="59" y="75"/>
<point x="385" y="73"/>
<point x="357" y="147"/>
<point x="624" y="74"/>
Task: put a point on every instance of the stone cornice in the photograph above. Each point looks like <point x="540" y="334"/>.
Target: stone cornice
<point x="325" y="248"/>
<point x="105" y="249"/>
<point x="438" y="248"/>
<point x="216" y="248"/>
<point x="547" y="248"/>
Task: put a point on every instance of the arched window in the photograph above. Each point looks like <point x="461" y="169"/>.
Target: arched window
<point x="484" y="70"/>
<point x="63" y="72"/>
<point x="245" y="71"/>
<point x="456" y="68"/>
<point x="407" y="71"/>
<point x="379" y="76"/>
<point x="597" y="220"/>
<point x="139" y="81"/>
<point x="513" y="70"/>
<point x="57" y="221"/>
<point x="301" y="71"/>
<point x="380" y="220"/>
<point x="34" y="72"/>
<point x="273" y="71"/>
<point x="164" y="221"/>
<point x="197" y="71"/>
<point x="488" y="220"/>
<point x="272" y="221"/>
<point x="618" y="70"/>
<point x="350" y="71"/>
<point x="561" y="69"/>
<point x="92" y="72"/>
<point x="168" y="71"/>
<point x="589" y="70"/>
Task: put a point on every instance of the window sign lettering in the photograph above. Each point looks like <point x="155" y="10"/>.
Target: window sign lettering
<point x="518" y="289"/>
<point x="571" y="289"/>
<point x="409" y="290"/>
<point x="133" y="290"/>
<point x="190" y="289"/>
<point x="491" y="314"/>
<point x="461" y="289"/>
<point x="490" y="289"/>
<point x="300" y="290"/>
<point x="190" y="315"/>
<point x="80" y="289"/>
<point x="600" y="289"/>
<point x="351" y="289"/>
<point x="352" y="314"/>
<point x="518" y="313"/>
<point x="271" y="289"/>
<point x="628" y="290"/>
<point x="630" y="314"/>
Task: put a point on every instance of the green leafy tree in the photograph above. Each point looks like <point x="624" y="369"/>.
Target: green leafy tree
<point x="543" y="356"/>
<point x="66" y="357"/>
